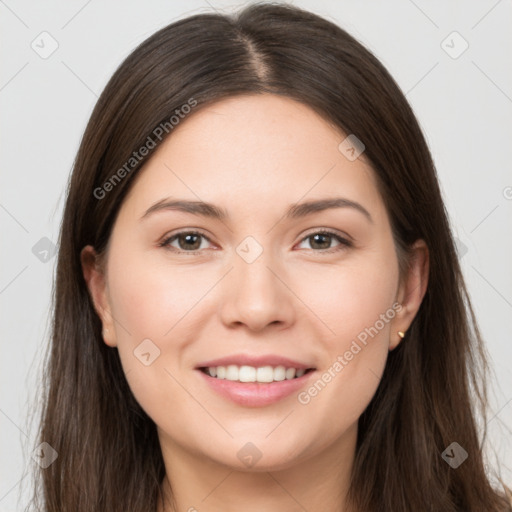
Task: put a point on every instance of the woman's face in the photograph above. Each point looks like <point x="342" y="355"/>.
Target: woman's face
<point x="264" y="285"/>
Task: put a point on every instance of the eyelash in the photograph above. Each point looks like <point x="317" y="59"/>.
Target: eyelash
<point x="344" y="243"/>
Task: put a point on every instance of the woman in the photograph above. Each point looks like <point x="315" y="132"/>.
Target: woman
<point x="258" y="301"/>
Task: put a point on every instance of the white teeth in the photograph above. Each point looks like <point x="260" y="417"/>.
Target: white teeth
<point x="279" y="373"/>
<point x="251" y="374"/>
<point x="290" y="373"/>
<point x="265" y="374"/>
<point x="232" y="372"/>
<point x="247" y="374"/>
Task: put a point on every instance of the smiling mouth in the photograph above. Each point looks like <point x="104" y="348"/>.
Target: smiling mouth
<point x="263" y="374"/>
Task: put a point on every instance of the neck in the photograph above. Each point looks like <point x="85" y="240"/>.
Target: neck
<point x="197" y="483"/>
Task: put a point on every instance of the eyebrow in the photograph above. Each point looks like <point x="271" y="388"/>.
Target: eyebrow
<point x="294" y="211"/>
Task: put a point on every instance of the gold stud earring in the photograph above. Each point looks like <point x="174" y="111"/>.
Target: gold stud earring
<point x="401" y="334"/>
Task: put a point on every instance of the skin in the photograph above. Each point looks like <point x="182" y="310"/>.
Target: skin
<point x="254" y="156"/>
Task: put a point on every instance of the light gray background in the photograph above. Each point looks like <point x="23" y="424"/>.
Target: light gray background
<point x="464" y="105"/>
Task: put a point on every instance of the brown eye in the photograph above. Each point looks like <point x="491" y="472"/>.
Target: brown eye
<point x="322" y="241"/>
<point x="187" y="241"/>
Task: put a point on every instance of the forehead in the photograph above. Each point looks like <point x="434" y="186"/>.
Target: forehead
<point x="254" y="152"/>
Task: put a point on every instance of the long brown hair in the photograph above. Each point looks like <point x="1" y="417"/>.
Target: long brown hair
<point x="431" y="393"/>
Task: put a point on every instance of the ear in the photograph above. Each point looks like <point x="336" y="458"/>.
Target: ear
<point x="411" y="291"/>
<point x="95" y="277"/>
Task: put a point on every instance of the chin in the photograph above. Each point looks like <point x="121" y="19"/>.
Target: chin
<point x="258" y="457"/>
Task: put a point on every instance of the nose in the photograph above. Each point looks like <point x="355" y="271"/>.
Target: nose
<point x="257" y="295"/>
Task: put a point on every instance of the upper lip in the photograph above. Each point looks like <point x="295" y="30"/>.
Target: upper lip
<point x="255" y="361"/>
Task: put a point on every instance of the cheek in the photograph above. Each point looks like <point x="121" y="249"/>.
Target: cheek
<point x="351" y="372"/>
<point x="150" y="298"/>
<point x="353" y="298"/>
<point x="356" y="302"/>
<point x="154" y="307"/>
<point x="335" y="401"/>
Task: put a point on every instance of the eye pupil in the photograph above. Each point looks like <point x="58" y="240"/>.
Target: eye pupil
<point x="324" y="245"/>
<point x="188" y="238"/>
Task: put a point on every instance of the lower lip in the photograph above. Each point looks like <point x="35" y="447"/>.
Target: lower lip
<point x="256" y="394"/>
